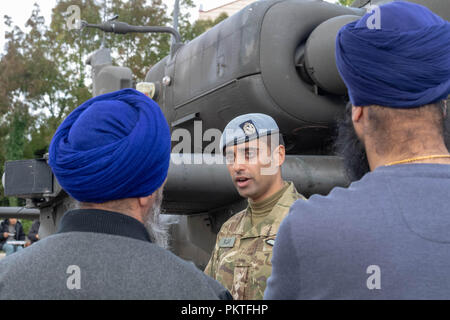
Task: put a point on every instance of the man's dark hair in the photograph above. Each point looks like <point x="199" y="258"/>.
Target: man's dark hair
<point x="387" y="124"/>
<point x="348" y="146"/>
<point x="446" y="126"/>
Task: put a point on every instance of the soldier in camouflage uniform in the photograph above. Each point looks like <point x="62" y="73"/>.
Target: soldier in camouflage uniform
<point x="241" y="260"/>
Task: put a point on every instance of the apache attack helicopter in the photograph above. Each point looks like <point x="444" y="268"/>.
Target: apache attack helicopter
<point x="274" y="57"/>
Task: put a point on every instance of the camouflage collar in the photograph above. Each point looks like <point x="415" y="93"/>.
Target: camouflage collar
<point x="269" y="226"/>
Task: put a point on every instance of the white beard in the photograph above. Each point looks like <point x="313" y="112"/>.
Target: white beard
<point x="156" y="227"/>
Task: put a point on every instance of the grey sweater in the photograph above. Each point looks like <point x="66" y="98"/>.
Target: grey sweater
<point x="385" y="237"/>
<point x="102" y="255"/>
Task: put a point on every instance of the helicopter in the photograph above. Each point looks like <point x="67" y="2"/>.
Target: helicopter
<point x="274" y="57"/>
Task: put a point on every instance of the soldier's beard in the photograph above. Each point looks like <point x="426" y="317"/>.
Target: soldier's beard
<point x="156" y="227"/>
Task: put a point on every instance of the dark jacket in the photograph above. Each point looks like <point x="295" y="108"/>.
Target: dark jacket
<point x="19" y="236"/>
<point x="102" y="255"/>
<point x="34" y="230"/>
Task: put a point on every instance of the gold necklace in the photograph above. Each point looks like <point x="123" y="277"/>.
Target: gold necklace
<point x="418" y="159"/>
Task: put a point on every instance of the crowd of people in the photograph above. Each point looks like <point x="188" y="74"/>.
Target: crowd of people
<point x="386" y="236"/>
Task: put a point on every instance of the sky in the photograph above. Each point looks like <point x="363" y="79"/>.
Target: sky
<point x="20" y="11"/>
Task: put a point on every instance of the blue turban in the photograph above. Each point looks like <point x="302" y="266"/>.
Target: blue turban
<point x="114" y="146"/>
<point x="405" y="64"/>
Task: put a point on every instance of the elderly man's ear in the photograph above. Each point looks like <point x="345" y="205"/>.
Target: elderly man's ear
<point x="147" y="201"/>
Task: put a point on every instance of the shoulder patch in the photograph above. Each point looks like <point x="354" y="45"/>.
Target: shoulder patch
<point x="227" y="242"/>
<point x="270" y="242"/>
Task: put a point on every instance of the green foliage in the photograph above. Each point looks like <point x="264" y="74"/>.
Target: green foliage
<point x="346" y="3"/>
<point x="140" y="51"/>
<point x="43" y="72"/>
<point x="191" y="31"/>
<point x="26" y="224"/>
<point x="16" y="139"/>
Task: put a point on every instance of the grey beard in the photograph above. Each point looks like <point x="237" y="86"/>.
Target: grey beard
<point x="156" y="227"/>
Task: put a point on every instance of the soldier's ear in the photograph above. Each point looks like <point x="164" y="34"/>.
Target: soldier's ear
<point x="279" y="155"/>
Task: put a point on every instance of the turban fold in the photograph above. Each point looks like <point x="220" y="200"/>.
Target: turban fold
<point x="114" y="146"/>
<point x="403" y="64"/>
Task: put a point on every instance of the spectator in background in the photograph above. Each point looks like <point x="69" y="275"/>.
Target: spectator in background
<point x="33" y="234"/>
<point x="11" y="230"/>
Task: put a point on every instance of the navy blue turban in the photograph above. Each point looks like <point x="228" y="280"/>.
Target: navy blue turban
<point x="404" y="64"/>
<point x="114" y="146"/>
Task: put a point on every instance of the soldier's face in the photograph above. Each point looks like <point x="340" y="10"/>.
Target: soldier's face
<point x="253" y="167"/>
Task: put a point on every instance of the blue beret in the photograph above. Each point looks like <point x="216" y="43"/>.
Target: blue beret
<point x="246" y="128"/>
<point x="114" y="146"/>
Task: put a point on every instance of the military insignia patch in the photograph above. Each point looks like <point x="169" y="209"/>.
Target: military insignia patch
<point x="227" y="242"/>
<point x="249" y="128"/>
<point x="270" y="242"/>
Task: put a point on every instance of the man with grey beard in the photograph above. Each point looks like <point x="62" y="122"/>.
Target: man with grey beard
<point x="157" y="227"/>
<point x="112" y="155"/>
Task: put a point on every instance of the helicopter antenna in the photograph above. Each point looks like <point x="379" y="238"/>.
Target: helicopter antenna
<point x="176" y="13"/>
<point x="124" y="28"/>
<point x="102" y="45"/>
<point x="115" y="17"/>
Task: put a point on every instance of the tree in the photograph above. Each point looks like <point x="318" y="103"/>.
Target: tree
<point x="200" y="26"/>
<point x="43" y="72"/>
<point x="139" y="51"/>
<point x="20" y="73"/>
<point x="69" y="48"/>
<point x="190" y="31"/>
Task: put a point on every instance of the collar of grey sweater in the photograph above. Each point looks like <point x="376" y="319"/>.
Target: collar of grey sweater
<point x="102" y="221"/>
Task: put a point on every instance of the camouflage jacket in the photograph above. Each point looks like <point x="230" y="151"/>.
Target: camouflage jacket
<point x="241" y="260"/>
